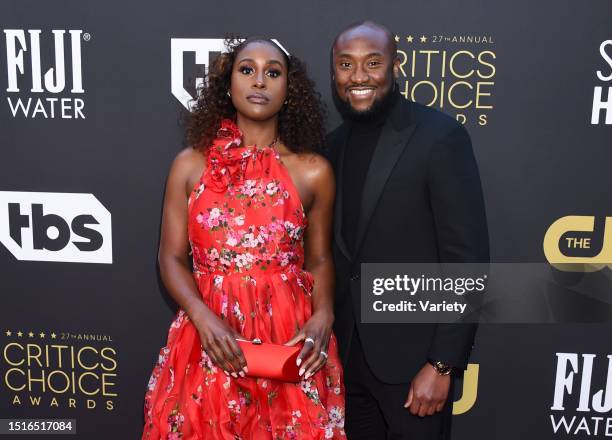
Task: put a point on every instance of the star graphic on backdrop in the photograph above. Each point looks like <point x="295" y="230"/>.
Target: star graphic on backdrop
<point x="41" y="334"/>
<point x="8" y="333"/>
<point x="20" y="334"/>
<point x="397" y="38"/>
<point x="53" y="335"/>
<point x="423" y="38"/>
<point x="31" y="334"/>
<point x="409" y="38"/>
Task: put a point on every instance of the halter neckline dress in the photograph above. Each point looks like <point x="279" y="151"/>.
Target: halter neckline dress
<point x="246" y="227"/>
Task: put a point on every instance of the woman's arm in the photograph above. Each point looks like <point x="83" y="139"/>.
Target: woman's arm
<point x="317" y="239"/>
<point x="319" y="261"/>
<point x="218" y="338"/>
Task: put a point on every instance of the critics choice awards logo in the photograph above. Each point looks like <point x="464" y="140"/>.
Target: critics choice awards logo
<point x="455" y="73"/>
<point x="44" y="73"/>
<point x="602" y="94"/>
<point x="43" y="226"/>
<point x="582" y="399"/>
<point x="54" y="369"/>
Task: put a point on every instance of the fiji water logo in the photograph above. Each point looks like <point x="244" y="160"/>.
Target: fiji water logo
<point x="45" y="74"/>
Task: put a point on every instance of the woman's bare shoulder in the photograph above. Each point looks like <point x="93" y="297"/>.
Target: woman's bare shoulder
<point x="314" y="167"/>
<point x="189" y="158"/>
<point x="187" y="167"/>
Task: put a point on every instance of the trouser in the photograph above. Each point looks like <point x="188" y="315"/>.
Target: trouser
<point x="375" y="410"/>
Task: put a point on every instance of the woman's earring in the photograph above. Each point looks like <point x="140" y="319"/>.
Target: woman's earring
<point x="229" y="95"/>
<point x="285" y="102"/>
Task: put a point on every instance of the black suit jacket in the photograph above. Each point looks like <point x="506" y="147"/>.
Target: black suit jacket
<point x="422" y="202"/>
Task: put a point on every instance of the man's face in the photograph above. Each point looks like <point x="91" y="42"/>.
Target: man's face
<point x="364" y="68"/>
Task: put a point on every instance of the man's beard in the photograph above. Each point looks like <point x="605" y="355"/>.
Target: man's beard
<point x="379" y="106"/>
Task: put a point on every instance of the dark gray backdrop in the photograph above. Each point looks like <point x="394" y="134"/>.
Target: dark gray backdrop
<point x="540" y="159"/>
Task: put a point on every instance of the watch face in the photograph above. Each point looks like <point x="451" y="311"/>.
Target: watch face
<point x="442" y="368"/>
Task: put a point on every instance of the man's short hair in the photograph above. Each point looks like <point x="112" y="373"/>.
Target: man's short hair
<point x="371" y="24"/>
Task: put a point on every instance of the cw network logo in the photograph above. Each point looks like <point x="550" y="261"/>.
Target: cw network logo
<point x="27" y="82"/>
<point x="45" y="226"/>
<point x="579" y="243"/>
<point x="469" y="391"/>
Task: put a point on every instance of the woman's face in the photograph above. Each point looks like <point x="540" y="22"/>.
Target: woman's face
<point x="259" y="81"/>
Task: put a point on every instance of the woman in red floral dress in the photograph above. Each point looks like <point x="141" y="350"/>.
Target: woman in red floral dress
<point x="253" y="204"/>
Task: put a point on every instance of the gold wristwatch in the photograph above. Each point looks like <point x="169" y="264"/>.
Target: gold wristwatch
<point x="441" y="368"/>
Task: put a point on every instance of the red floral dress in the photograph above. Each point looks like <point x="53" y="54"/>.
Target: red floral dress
<point x="246" y="227"/>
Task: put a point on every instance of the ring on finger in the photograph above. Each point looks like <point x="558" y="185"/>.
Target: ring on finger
<point x="309" y="339"/>
<point x="324" y="353"/>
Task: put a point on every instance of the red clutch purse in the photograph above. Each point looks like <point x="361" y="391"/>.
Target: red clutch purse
<point x="272" y="361"/>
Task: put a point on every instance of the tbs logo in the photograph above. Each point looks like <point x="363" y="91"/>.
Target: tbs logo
<point x="41" y="226"/>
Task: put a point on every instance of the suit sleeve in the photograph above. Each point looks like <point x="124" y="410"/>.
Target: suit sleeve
<point x="457" y="203"/>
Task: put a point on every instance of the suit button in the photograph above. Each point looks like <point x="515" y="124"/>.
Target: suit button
<point x="355" y="277"/>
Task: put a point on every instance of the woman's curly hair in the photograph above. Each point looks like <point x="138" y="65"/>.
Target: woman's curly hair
<point x="301" y="122"/>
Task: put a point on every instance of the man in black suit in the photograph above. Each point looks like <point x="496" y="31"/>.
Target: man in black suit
<point x="408" y="190"/>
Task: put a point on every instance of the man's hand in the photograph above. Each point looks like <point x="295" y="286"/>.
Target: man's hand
<point x="428" y="392"/>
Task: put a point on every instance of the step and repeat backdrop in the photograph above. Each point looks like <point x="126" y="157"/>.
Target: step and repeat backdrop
<point x="91" y="96"/>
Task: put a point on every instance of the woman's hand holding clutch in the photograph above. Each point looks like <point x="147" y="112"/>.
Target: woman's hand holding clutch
<point x="315" y="334"/>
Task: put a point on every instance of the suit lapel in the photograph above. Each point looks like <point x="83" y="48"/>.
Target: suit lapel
<point x="392" y="142"/>
<point x="339" y="195"/>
